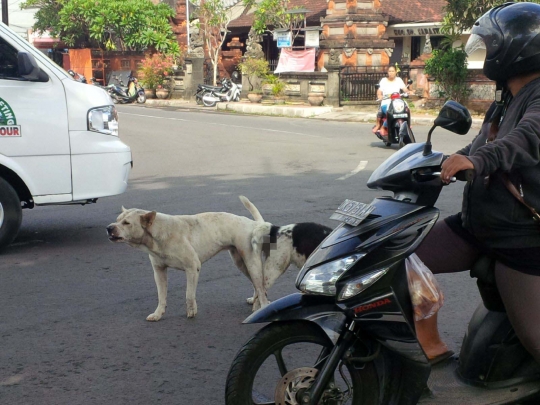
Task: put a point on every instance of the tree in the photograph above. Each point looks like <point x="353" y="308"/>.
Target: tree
<point x="273" y="13"/>
<point x="448" y="67"/>
<point x="214" y="18"/>
<point x="127" y="25"/>
<point x="462" y="14"/>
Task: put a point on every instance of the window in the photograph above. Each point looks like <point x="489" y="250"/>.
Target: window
<point x="9" y="65"/>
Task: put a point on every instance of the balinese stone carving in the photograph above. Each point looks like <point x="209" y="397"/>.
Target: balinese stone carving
<point x="349" y="51"/>
<point x="253" y="48"/>
<point x="427" y="47"/>
<point x="370" y="51"/>
<point x="389" y="51"/>
<point x="334" y="57"/>
<point x="196" y="40"/>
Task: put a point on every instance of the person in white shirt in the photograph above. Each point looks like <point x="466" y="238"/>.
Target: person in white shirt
<point x="387" y="86"/>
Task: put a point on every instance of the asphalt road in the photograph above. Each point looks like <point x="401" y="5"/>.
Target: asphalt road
<point x="73" y="328"/>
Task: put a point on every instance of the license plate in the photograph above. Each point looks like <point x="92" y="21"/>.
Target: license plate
<point x="352" y="212"/>
<point x="400" y="115"/>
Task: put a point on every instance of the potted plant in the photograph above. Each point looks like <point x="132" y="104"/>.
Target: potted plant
<point x="155" y="73"/>
<point x="268" y="84"/>
<point x="278" y="91"/>
<point x="254" y="69"/>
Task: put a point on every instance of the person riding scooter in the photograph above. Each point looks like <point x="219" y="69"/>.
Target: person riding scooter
<point x="497" y="215"/>
<point x="387" y="86"/>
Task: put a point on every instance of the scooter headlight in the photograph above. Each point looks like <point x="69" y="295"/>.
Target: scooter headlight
<point x="322" y="279"/>
<point x="104" y="120"/>
<point x="399" y="106"/>
<point x="359" y="284"/>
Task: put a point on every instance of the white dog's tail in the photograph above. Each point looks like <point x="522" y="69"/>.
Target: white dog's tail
<point x="260" y="235"/>
<point x="252" y="209"/>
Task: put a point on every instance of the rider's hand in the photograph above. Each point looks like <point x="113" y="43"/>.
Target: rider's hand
<point x="454" y="164"/>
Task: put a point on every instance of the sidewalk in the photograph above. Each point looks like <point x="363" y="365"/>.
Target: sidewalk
<point x="328" y="113"/>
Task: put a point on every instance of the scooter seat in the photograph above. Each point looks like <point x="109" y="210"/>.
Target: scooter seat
<point x="484" y="270"/>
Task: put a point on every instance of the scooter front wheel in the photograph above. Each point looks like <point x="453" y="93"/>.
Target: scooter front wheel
<point x="141" y="97"/>
<point x="282" y="361"/>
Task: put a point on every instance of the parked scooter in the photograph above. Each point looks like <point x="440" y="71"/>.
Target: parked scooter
<point x="133" y="92"/>
<point x="202" y="89"/>
<point x="229" y="92"/>
<point x="396" y="126"/>
<point x="349" y="337"/>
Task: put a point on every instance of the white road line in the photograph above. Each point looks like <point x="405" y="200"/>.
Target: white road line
<point x="359" y="168"/>
<point x="220" y="124"/>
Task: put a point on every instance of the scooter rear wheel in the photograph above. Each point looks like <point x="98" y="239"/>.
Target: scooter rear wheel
<point x="284" y="358"/>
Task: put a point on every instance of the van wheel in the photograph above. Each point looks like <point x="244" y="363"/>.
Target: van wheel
<point x="10" y="213"/>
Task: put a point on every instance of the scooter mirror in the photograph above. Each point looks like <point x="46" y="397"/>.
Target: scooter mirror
<point x="409" y="81"/>
<point x="377" y="86"/>
<point x="454" y="117"/>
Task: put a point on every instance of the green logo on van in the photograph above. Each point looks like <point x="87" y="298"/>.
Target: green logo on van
<point x="7" y="116"/>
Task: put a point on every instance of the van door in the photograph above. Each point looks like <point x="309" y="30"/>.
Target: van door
<point x="34" y="137"/>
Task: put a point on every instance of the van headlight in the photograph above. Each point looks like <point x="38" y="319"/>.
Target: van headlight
<point x="359" y="284"/>
<point x="322" y="279"/>
<point x="103" y="120"/>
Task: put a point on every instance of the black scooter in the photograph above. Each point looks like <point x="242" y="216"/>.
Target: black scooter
<point x="205" y="89"/>
<point x="349" y="337"/>
<point x="133" y="92"/>
<point x="398" y="121"/>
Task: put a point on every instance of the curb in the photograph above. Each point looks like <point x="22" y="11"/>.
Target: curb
<point x="288" y="111"/>
<point x="326" y="113"/>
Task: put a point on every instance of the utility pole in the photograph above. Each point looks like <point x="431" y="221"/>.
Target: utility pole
<point x="5" y="19"/>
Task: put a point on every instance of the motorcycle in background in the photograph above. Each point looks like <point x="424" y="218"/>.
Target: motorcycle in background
<point x="229" y="92"/>
<point x="396" y="128"/>
<point x="202" y="89"/>
<point x="123" y="95"/>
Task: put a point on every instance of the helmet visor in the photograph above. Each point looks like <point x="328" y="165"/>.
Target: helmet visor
<point x="475" y="43"/>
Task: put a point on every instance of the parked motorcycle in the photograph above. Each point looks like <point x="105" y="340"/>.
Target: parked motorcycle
<point x="349" y="337"/>
<point x="396" y="126"/>
<point x="229" y="92"/>
<point x="202" y="89"/>
<point x="133" y="92"/>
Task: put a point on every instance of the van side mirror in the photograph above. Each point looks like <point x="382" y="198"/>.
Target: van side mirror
<point x="29" y="69"/>
<point x="454" y="117"/>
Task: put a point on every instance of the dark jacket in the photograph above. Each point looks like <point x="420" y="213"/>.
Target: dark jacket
<point x="490" y="212"/>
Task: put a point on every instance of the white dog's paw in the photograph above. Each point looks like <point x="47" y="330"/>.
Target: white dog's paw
<point x="154" y="317"/>
<point x="249" y="300"/>
<point x="191" y="310"/>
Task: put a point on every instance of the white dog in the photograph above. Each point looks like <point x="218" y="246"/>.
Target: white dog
<point x="184" y="242"/>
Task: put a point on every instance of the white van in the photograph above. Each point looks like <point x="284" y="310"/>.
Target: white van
<point x="58" y="138"/>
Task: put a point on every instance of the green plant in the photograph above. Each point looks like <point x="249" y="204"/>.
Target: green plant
<point x="449" y="69"/>
<point x="134" y="25"/>
<point x="270" y="79"/>
<point x="273" y="13"/>
<point x="254" y="68"/>
<point x="155" y="70"/>
<point x="278" y="88"/>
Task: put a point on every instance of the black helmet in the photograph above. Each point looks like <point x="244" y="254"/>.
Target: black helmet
<point x="510" y="34"/>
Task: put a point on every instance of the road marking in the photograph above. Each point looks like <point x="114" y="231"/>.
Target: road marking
<point x="359" y="168"/>
<point x="224" y="125"/>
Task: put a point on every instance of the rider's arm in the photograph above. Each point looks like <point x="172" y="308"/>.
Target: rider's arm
<point x="519" y="148"/>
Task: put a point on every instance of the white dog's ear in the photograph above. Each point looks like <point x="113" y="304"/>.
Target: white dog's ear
<point x="148" y="219"/>
<point x="123" y="209"/>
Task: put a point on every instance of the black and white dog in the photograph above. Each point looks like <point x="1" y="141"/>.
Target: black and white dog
<point x="286" y="245"/>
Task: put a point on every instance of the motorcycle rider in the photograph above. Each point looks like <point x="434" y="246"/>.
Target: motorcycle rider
<point x="493" y="220"/>
<point x="387" y="86"/>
